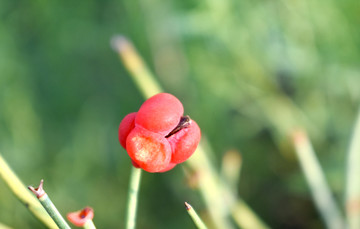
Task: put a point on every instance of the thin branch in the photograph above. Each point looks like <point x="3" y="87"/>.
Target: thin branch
<point x="315" y="177"/>
<point x="21" y="192"/>
<point x="352" y="197"/>
<point x="195" y="217"/>
<point x="49" y="206"/>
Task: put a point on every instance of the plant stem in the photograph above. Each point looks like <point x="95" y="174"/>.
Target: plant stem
<point x="352" y="194"/>
<point x="136" y="66"/>
<point x="49" y="206"/>
<point x="231" y="169"/>
<point x="89" y="225"/>
<point x="21" y="192"/>
<point x="53" y="212"/>
<point x="315" y="178"/>
<point x="133" y="197"/>
<point x="3" y="226"/>
<point x="195" y="217"/>
<point x="245" y="217"/>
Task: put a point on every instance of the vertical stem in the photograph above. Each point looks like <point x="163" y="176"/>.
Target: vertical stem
<point x="136" y="66"/>
<point x="133" y="197"/>
<point x="89" y="225"/>
<point x="315" y="178"/>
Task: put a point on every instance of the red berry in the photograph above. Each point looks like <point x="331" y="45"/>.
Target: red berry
<point x="149" y="150"/>
<point x="134" y="164"/>
<point x="160" y="113"/>
<point x="169" y="167"/>
<point x="184" y="142"/>
<point x="126" y="126"/>
<point x="158" y="137"/>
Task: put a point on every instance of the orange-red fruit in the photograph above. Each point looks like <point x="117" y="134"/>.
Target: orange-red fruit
<point x="149" y="150"/>
<point x="184" y="142"/>
<point x="126" y="126"/>
<point x="160" y="113"/>
<point x="158" y="137"/>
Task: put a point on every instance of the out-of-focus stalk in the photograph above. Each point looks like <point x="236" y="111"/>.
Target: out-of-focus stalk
<point x="352" y="187"/>
<point x="3" y="226"/>
<point x="135" y="65"/>
<point x="231" y="168"/>
<point x="210" y="186"/>
<point x="21" y="192"/>
<point x="89" y="225"/>
<point x="218" y="196"/>
<point x="315" y="178"/>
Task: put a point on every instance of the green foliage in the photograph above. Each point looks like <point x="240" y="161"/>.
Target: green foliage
<point x="246" y="71"/>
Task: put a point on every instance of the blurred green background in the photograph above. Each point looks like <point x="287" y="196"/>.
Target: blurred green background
<point x="246" y="71"/>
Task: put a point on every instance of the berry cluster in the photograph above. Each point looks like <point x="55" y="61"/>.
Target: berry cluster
<point x="158" y="136"/>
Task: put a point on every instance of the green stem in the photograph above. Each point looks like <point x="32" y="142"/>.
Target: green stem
<point x="3" y="226"/>
<point x="136" y="66"/>
<point x="49" y="206"/>
<point x="20" y="191"/>
<point x="133" y="197"/>
<point x="352" y="188"/>
<point x="315" y="177"/>
<point x="89" y="225"/>
<point x="53" y="212"/>
<point x="195" y="217"/>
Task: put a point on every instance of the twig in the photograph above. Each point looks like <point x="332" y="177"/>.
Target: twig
<point x="195" y="217"/>
<point x="21" y="192"/>
<point x="49" y="206"/>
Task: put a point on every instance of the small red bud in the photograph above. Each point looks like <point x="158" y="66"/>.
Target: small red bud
<point x="79" y="218"/>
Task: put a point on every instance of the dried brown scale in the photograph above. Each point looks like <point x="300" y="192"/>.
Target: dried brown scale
<point x="184" y="122"/>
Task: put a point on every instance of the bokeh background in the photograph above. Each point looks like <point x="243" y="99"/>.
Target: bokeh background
<point x="246" y="71"/>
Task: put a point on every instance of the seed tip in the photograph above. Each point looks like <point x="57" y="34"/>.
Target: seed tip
<point x="119" y="43"/>
<point x="187" y="206"/>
